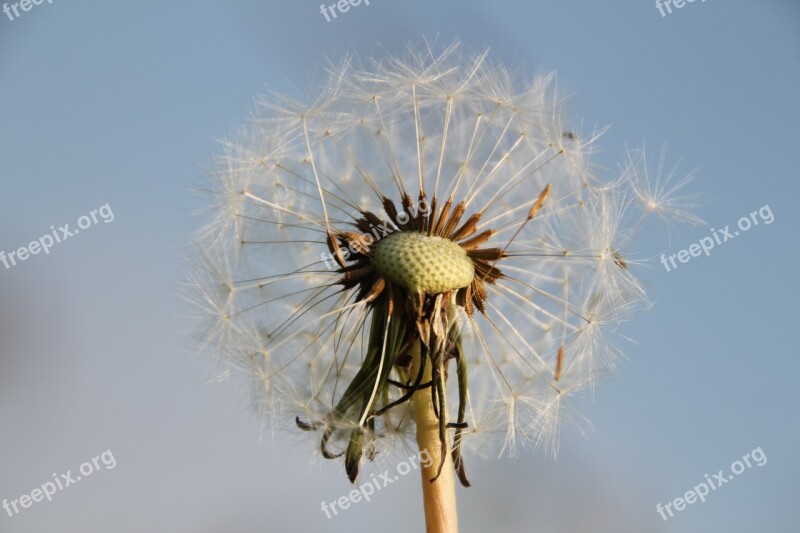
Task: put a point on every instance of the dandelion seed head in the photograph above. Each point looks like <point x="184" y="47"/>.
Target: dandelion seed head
<point x="426" y="207"/>
<point x="423" y="264"/>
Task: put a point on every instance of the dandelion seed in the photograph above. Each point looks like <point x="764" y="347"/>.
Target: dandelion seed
<point x="658" y="191"/>
<point x="559" y="363"/>
<point x="422" y="249"/>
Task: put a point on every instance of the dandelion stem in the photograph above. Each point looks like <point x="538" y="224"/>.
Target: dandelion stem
<point x="439" y="496"/>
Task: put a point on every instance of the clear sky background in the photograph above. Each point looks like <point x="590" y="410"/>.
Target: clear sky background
<point x="123" y="103"/>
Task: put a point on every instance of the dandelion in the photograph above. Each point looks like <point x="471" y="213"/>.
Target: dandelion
<point x="422" y="252"/>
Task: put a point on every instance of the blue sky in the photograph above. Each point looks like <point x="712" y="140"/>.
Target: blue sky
<point x="123" y="103"/>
